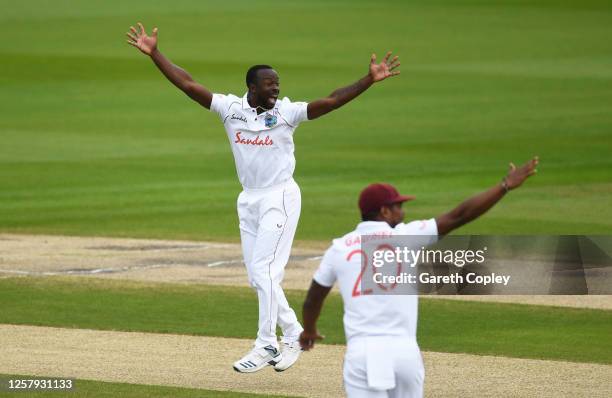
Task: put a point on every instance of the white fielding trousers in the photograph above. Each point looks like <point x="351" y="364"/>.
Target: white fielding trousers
<point x="268" y="220"/>
<point x="383" y="367"/>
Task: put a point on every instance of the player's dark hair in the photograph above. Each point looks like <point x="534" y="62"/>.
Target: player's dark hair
<point x="371" y="216"/>
<point x="251" y="76"/>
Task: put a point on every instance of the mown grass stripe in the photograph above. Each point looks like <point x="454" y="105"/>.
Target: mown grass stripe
<point x="513" y="330"/>
<point x="84" y="152"/>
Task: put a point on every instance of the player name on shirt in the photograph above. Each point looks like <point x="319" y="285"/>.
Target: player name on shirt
<point x="257" y="141"/>
<point x="354" y="240"/>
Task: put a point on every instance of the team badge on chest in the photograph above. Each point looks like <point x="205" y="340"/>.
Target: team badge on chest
<point x="270" y="120"/>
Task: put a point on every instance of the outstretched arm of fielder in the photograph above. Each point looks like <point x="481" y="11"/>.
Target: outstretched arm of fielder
<point x="310" y="313"/>
<point x="178" y="76"/>
<point x="479" y="204"/>
<point x="343" y="95"/>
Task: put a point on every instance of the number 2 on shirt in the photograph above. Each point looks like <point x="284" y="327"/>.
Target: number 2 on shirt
<point x="364" y="264"/>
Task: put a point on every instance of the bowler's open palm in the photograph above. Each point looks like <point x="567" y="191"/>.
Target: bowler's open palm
<point x="385" y="69"/>
<point x="517" y="175"/>
<point x="145" y="43"/>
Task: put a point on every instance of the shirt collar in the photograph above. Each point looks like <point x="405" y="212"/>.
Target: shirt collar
<point x="368" y="226"/>
<point x="245" y="101"/>
<point x="246" y="105"/>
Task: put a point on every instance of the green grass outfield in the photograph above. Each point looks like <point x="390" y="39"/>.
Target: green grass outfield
<point x="94" y="141"/>
<point x="512" y="330"/>
<point x="98" y="389"/>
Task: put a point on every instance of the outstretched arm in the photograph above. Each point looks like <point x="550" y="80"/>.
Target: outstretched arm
<point x="178" y="76"/>
<point x="479" y="204"/>
<point x="343" y="95"/>
<point x="310" y="313"/>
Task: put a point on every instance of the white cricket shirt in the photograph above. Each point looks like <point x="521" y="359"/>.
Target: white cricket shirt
<point x="262" y="144"/>
<point x="373" y="315"/>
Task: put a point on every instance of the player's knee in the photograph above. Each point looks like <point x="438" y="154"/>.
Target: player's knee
<point x="261" y="282"/>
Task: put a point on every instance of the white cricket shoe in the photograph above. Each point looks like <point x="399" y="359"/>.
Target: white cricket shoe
<point x="258" y="359"/>
<point x="291" y="352"/>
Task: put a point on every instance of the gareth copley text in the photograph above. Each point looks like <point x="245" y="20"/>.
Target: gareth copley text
<point x="426" y="278"/>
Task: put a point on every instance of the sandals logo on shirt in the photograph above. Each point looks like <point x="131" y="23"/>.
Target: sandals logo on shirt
<point x="257" y="141"/>
<point x="270" y="120"/>
<point x="238" y="117"/>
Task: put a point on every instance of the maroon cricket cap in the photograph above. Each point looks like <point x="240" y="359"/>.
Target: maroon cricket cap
<point x="375" y="196"/>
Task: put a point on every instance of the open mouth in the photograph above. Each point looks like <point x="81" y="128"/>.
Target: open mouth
<point x="272" y="99"/>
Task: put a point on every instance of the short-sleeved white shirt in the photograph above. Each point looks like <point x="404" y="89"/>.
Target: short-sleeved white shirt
<point x="373" y="315"/>
<point x="262" y="144"/>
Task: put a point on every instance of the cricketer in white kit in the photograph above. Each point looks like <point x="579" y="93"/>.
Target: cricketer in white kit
<point x="382" y="356"/>
<point x="260" y="130"/>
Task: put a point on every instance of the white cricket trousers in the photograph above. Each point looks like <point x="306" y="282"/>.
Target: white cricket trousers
<point x="402" y="363"/>
<point x="268" y="220"/>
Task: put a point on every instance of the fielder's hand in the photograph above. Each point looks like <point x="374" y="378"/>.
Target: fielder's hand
<point x="385" y="69"/>
<point x="140" y="40"/>
<point x="516" y="176"/>
<point x="307" y="340"/>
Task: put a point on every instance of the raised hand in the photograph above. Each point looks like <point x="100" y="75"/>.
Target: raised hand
<point x="140" y="40"/>
<point x="516" y="176"/>
<point x="385" y="69"/>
